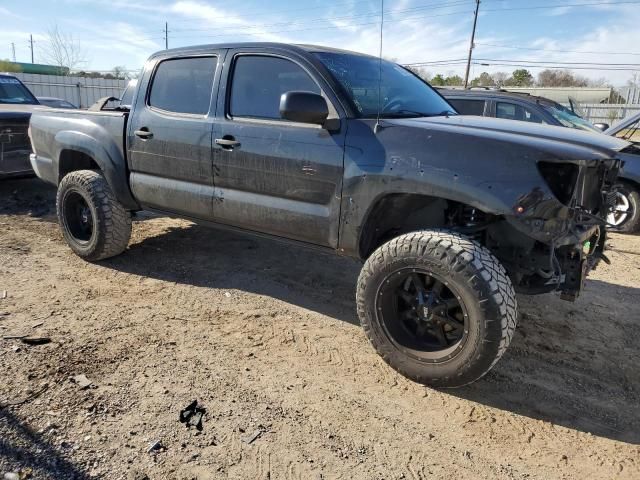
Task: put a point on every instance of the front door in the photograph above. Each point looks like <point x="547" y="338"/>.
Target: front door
<point x="170" y="136"/>
<point x="274" y="176"/>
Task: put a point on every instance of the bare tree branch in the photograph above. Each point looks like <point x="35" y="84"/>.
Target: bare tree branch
<point x="62" y="50"/>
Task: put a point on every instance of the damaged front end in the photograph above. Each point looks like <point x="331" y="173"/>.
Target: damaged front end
<point x="556" y="234"/>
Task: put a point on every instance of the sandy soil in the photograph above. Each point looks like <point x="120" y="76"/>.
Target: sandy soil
<point x="266" y="337"/>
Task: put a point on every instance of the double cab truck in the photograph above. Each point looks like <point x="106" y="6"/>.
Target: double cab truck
<point x="352" y="154"/>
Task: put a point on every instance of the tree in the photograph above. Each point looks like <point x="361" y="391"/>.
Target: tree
<point x="120" y="72"/>
<point x="483" y="80"/>
<point x="500" y="78"/>
<point x="520" y="78"/>
<point x="421" y="72"/>
<point x="9" y="67"/>
<point x="560" y="78"/>
<point x="62" y="50"/>
<point x="454" y="81"/>
<point x="438" y="81"/>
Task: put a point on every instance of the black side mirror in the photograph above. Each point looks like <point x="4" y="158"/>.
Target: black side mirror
<point x="601" y="126"/>
<point x="304" y="107"/>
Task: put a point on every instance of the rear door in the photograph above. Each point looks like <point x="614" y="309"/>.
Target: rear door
<point x="271" y="175"/>
<point x="169" y="135"/>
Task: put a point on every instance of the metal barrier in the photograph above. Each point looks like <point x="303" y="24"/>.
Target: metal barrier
<point x="81" y="91"/>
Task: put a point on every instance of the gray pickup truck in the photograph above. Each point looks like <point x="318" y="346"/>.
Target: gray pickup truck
<point x="350" y="154"/>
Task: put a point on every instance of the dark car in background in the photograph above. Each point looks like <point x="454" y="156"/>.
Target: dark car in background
<point x="16" y="105"/>
<point x="627" y="212"/>
<point x="54" y="102"/>
<point x="484" y="102"/>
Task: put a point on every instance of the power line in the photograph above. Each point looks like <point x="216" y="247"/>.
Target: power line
<point x="375" y="14"/>
<point x="558" y="51"/>
<point x="558" y="67"/>
<point x="561" y="62"/>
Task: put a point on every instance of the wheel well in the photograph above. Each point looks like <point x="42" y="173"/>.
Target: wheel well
<point x="631" y="183"/>
<point x="400" y="213"/>
<point x="72" y="160"/>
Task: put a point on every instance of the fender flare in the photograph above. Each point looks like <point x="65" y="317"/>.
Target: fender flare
<point x="108" y="158"/>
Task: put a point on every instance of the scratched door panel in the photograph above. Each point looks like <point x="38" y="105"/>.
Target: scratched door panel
<point x="282" y="178"/>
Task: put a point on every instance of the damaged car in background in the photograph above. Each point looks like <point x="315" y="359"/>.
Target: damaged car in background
<point x="351" y="154"/>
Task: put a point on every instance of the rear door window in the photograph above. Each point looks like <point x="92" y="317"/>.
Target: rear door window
<point x="259" y="81"/>
<point x="513" y="111"/>
<point x="183" y="85"/>
<point x="468" y="107"/>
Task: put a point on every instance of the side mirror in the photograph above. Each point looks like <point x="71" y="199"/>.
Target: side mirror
<point x="601" y="126"/>
<point x="304" y="107"/>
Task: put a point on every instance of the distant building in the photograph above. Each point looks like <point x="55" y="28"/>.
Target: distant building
<point x="40" y="68"/>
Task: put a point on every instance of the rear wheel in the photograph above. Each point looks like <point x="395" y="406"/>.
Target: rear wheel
<point x="438" y="307"/>
<point x="94" y="224"/>
<point x="625" y="217"/>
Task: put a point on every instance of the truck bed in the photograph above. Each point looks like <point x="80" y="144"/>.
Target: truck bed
<point x="53" y="130"/>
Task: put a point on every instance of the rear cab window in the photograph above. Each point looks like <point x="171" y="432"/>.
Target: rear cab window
<point x="258" y="82"/>
<point x="183" y="85"/>
<point x="468" y="107"/>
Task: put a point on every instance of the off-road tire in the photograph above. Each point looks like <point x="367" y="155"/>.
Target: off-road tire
<point x="111" y="222"/>
<point x="631" y="223"/>
<point x="477" y="276"/>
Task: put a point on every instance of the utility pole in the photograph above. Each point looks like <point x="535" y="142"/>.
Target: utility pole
<point x="31" y="47"/>
<point x="13" y="50"/>
<point x="473" y="37"/>
<point x="166" y="35"/>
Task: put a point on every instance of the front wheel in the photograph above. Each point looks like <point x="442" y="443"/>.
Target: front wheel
<point x="438" y="307"/>
<point x="625" y="215"/>
<point x="94" y="224"/>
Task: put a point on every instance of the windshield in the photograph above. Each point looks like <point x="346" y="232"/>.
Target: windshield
<point x="402" y="94"/>
<point x="567" y="118"/>
<point x="12" y="91"/>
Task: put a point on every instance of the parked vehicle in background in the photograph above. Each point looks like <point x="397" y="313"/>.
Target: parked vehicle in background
<point x="55" y="102"/>
<point x="16" y="105"/>
<point x="449" y="213"/>
<point x="488" y="102"/>
<point x="626" y="216"/>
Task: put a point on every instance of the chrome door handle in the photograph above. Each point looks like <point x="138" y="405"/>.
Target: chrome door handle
<point x="143" y="133"/>
<point x="227" y="142"/>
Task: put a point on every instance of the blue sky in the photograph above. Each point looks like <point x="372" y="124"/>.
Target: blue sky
<point x="121" y="32"/>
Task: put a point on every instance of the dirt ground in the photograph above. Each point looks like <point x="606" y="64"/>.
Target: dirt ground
<point x="266" y="337"/>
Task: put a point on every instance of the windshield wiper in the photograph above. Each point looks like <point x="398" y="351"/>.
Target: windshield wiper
<point x="414" y="114"/>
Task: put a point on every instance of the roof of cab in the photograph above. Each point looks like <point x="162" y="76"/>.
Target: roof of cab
<point x="491" y="92"/>
<point x="299" y="48"/>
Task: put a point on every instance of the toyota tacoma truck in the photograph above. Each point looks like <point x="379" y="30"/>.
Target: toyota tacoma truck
<point x="348" y="153"/>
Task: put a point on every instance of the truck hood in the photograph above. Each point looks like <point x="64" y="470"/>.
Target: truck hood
<point x="535" y="135"/>
<point x="10" y="111"/>
<point x="20" y="107"/>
